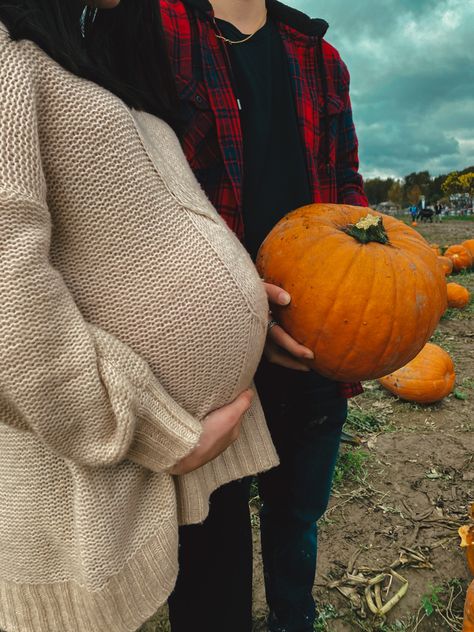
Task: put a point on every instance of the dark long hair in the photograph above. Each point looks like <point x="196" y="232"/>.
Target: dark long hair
<point x="123" y="49"/>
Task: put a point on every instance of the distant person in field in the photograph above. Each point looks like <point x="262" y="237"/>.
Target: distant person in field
<point x="413" y="212"/>
<point x="267" y="127"/>
<point x="438" y="213"/>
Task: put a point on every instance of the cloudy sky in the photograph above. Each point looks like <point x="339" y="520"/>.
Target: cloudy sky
<point x="412" y="69"/>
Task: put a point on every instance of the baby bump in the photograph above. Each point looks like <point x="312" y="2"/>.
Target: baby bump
<point x="197" y="315"/>
<point x="225" y="317"/>
<point x="208" y="356"/>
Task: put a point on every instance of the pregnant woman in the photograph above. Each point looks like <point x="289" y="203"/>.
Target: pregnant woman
<point x="131" y="324"/>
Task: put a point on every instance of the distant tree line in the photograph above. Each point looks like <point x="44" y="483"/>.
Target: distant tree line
<point x="409" y="190"/>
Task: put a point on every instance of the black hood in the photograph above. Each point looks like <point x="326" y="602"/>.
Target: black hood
<point x="291" y="17"/>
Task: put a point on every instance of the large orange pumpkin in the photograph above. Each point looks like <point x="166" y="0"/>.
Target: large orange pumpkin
<point x="469" y="245"/>
<point x="460" y="256"/>
<point x="446" y="264"/>
<point x="458" y="295"/>
<point x="426" y="379"/>
<point x="367" y="290"/>
<point x="468" y="625"/>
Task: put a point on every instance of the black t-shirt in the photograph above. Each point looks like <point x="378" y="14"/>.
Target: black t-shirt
<point x="275" y="173"/>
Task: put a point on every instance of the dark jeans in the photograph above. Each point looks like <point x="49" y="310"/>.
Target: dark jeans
<point x="305" y="415"/>
<point x="214" y="588"/>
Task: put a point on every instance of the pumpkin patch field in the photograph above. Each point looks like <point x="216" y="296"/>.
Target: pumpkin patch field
<point x="401" y="495"/>
<point x="389" y="556"/>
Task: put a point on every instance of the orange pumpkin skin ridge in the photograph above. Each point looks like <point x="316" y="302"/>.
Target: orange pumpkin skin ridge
<point x="363" y="309"/>
<point x="467" y="541"/>
<point x="469" y="610"/>
<point x="428" y="378"/>
<point x="458" y="296"/>
<point x="447" y="265"/>
<point x="470" y="558"/>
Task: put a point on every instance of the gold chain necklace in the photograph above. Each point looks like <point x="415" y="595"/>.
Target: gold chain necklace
<point x="246" y="39"/>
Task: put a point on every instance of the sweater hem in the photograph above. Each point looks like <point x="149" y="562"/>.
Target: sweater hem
<point x="200" y="511"/>
<point x="123" y="604"/>
<point x="237" y="462"/>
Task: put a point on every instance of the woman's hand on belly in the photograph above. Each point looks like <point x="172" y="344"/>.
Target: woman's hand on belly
<point x="220" y="429"/>
<point x="280" y="347"/>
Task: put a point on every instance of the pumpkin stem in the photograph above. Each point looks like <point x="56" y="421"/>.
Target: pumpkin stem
<point x="369" y="228"/>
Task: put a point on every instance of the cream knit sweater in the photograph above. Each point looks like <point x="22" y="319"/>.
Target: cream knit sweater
<point x="128" y="311"/>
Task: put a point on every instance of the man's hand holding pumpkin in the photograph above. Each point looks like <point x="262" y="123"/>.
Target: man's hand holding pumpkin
<point x="280" y="347"/>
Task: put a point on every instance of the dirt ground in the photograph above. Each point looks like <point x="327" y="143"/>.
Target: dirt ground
<point x="399" y="497"/>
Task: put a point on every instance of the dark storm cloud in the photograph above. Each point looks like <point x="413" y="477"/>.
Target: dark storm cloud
<point x="412" y="68"/>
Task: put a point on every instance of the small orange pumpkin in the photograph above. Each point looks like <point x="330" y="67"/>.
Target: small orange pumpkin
<point x="426" y="379"/>
<point x="460" y="256"/>
<point x="358" y="282"/>
<point x="468" y="625"/>
<point x="436" y="249"/>
<point x="414" y="223"/>
<point x="458" y="295"/>
<point x="446" y="264"/>
<point x="469" y="245"/>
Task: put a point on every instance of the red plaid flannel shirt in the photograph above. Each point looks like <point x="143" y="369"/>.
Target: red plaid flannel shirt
<point x="211" y="134"/>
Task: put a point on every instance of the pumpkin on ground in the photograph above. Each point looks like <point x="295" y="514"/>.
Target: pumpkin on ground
<point x="469" y="245"/>
<point x="467" y="541"/>
<point x="426" y="379"/>
<point x="367" y="290"/>
<point x="468" y="625"/>
<point x="436" y="249"/>
<point x="446" y="264"/>
<point x="460" y="256"/>
<point x="458" y="295"/>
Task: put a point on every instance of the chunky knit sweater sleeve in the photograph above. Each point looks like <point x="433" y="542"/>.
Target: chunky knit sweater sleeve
<point x="85" y="394"/>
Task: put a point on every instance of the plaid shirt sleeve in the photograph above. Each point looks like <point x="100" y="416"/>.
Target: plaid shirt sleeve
<point x="350" y="189"/>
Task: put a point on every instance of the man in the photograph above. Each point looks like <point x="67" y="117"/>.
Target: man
<point x="267" y="127"/>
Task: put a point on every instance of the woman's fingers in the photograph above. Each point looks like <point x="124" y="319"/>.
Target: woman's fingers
<point x="239" y="406"/>
<point x="220" y="429"/>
